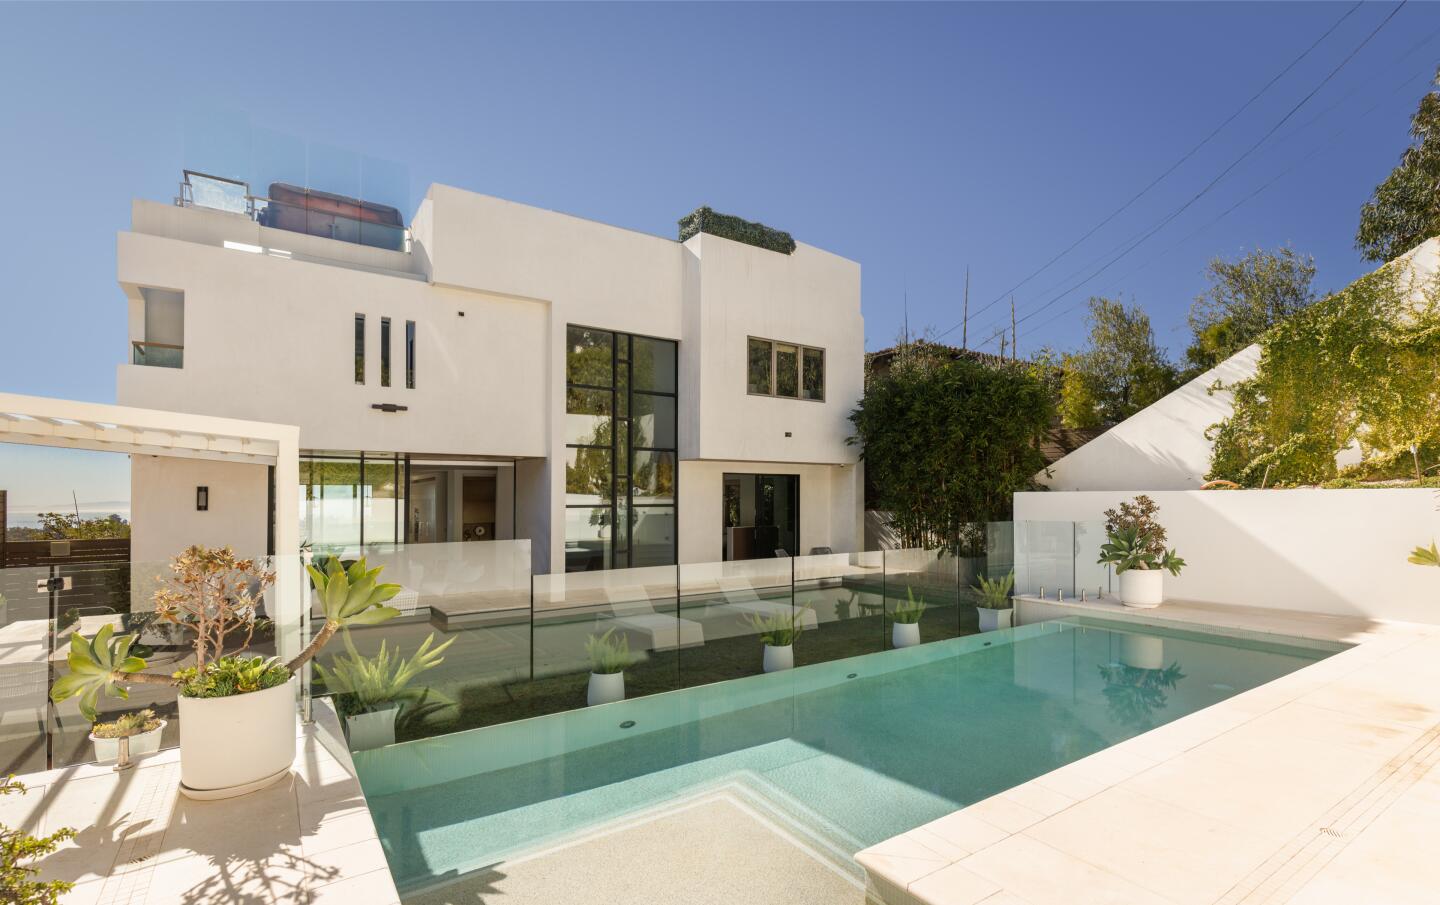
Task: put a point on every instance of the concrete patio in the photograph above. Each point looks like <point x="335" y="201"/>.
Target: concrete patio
<point x="308" y="838"/>
<point x="1318" y="787"/>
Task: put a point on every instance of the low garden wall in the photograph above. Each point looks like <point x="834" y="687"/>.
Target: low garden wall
<point x="1341" y="552"/>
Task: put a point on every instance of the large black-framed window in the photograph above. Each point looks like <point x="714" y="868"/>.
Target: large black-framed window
<point x="620" y="450"/>
<point x="352" y="499"/>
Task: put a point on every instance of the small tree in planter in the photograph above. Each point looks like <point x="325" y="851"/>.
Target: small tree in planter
<point x="995" y="608"/>
<point x="213" y="594"/>
<point x="905" y="627"/>
<point x="1135" y="546"/>
<point x="778" y="631"/>
<point x="610" y="656"/>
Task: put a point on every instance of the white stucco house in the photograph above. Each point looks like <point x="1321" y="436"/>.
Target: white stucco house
<point x="494" y="371"/>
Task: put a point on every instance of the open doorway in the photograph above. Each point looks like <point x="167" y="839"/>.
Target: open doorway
<point x="449" y="503"/>
<point x="761" y="516"/>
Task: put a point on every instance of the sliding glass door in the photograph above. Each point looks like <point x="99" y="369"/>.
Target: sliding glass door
<point x="761" y="516"/>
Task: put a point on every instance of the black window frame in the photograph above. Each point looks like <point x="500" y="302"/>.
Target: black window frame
<point x="384" y="351"/>
<point x="360" y="349"/>
<point x="409" y="355"/>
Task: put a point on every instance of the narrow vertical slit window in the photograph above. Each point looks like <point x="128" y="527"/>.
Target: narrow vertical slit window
<point x="359" y="348"/>
<point x="409" y="355"/>
<point x="384" y="351"/>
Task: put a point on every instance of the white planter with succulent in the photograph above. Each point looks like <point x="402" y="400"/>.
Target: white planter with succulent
<point x="609" y="658"/>
<point x="237" y="714"/>
<point x="995" y="610"/>
<point x="1135" y="547"/>
<point x="778" y="631"/>
<point x="905" y="621"/>
<point x="141" y="729"/>
<point x="374" y="694"/>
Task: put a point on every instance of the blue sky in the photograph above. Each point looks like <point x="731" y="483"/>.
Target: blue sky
<point x="916" y="139"/>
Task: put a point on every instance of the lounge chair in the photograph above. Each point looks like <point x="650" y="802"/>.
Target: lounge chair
<point x="741" y="598"/>
<point x="633" y="611"/>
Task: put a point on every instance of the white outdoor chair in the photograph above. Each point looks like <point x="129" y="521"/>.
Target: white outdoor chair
<point x="633" y="611"/>
<point x="741" y="598"/>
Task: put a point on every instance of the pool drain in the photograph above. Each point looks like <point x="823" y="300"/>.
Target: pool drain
<point x="852" y="675"/>
<point x="627" y="724"/>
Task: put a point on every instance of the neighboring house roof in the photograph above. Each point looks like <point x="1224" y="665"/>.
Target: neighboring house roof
<point x="1062" y="441"/>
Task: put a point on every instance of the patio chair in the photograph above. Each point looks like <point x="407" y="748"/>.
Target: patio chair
<point x="741" y="598"/>
<point x="633" y="611"/>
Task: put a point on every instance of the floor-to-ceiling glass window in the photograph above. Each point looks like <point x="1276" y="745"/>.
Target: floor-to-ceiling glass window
<point x="620" y="462"/>
<point x="761" y="516"/>
<point x="352" y="499"/>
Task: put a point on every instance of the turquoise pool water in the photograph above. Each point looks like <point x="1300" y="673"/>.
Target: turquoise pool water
<point x="849" y="752"/>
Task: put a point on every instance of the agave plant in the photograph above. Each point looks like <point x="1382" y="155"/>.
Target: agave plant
<point x="1128" y="547"/>
<point x="995" y="593"/>
<point x="211" y="596"/>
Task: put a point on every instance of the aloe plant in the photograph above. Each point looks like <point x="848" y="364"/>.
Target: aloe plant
<point x="1425" y="556"/>
<point x="909" y="612"/>
<point x="779" y="629"/>
<point x="367" y="683"/>
<point x="210" y="598"/>
<point x="995" y="593"/>
<point x="609" y="653"/>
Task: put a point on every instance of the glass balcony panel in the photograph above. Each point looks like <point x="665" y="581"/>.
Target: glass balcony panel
<point x="157" y="355"/>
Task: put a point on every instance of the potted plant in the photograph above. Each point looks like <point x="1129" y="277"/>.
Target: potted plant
<point x="372" y="693"/>
<point x="1135" y="546"/>
<point x="141" y="729"/>
<point x="609" y="658"/>
<point x="237" y="714"/>
<point x="995" y="609"/>
<point x="905" y="622"/>
<point x="779" y="631"/>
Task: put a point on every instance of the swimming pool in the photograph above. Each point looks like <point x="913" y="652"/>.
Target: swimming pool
<point x="846" y="753"/>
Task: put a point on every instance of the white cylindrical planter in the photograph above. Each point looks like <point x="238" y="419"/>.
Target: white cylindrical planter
<point x="233" y="745"/>
<point x="605" y="688"/>
<point x="375" y="729"/>
<point x="108" y="749"/>
<point x="994" y="620"/>
<point x="905" y="634"/>
<point x="778" y="658"/>
<point x="1142" y="651"/>
<point x="1142" y="587"/>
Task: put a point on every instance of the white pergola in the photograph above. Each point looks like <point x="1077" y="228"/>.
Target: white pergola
<point x="41" y="421"/>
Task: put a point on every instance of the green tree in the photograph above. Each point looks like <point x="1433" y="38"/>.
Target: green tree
<point x="1120" y="371"/>
<point x="1245" y="298"/>
<point x="64" y="526"/>
<point x="948" y="441"/>
<point x="1404" y="210"/>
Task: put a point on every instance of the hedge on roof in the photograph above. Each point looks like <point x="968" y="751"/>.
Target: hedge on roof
<point x="705" y="220"/>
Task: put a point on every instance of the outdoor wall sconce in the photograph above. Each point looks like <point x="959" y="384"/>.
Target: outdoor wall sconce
<point x="202" y="499"/>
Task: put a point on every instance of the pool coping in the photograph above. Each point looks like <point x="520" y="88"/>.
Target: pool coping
<point x="1094" y="830"/>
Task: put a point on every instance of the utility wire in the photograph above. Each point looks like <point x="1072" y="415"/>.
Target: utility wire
<point x="1223" y="173"/>
<point x="1173" y="167"/>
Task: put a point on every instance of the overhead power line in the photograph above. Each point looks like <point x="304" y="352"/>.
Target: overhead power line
<point x="1147" y="234"/>
<point x="1172" y="168"/>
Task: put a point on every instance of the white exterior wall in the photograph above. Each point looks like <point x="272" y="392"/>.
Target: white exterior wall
<point x="164" y="520"/>
<point x="1326" y="551"/>
<point x="269" y="320"/>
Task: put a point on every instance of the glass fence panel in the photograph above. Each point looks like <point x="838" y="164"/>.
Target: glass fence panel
<point x="922" y="597"/>
<point x="603" y="636"/>
<point x="1091" y="577"/>
<point x="1045" y="558"/>
<point x="25" y="649"/>
<point x="737" y="605"/>
<point x="845" y="592"/>
<point x="464" y="617"/>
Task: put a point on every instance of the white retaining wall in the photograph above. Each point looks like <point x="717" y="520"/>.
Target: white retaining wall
<point x="1340" y="552"/>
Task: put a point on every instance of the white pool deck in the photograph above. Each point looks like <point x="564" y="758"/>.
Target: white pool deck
<point x="307" y="839"/>
<point x="1318" y="787"/>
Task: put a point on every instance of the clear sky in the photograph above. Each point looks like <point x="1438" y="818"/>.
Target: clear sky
<point x="915" y="139"/>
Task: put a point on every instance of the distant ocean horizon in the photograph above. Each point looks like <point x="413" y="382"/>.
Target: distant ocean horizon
<point x="28" y="516"/>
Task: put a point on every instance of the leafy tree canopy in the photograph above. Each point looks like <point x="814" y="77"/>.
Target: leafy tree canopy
<point x="1245" y="298"/>
<point x="1405" y="209"/>
<point x="947" y="441"/>
<point x="1120" y="371"/>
